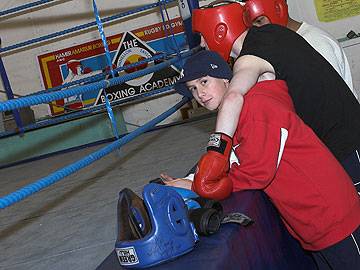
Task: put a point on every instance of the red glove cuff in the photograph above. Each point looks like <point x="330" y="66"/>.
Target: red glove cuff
<point x="221" y="143"/>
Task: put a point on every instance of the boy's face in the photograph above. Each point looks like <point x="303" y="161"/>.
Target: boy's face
<point x="261" y="20"/>
<point x="208" y="91"/>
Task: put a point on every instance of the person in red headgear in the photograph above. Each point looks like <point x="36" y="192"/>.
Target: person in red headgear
<point x="261" y="12"/>
<point x="280" y="155"/>
<point x="321" y="97"/>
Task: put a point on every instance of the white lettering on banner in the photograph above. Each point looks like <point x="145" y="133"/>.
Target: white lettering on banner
<point x="143" y="88"/>
<point x="119" y="94"/>
<point x="130" y="44"/>
<point x="161" y="28"/>
<point x="62" y="55"/>
<point x="152" y="30"/>
<point x="157" y="84"/>
<point x="172" y="25"/>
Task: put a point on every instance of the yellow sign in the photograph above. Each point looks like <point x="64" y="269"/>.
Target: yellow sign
<point x="333" y="10"/>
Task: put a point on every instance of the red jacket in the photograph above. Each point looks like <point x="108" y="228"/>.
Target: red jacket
<point x="315" y="197"/>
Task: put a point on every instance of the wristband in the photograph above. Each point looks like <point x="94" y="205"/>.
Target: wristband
<point x="219" y="142"/>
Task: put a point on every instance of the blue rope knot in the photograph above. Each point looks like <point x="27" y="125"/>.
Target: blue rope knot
<point x="107" y="83"/>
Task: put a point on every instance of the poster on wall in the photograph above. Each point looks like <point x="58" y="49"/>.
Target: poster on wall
<point x="333" y="10"/>
<point x="131" y="50"/>
<point x="88" y="59"/>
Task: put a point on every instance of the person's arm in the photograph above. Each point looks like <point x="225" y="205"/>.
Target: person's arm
<point x="260" y="153"/>
<point x="246" y="71"/>
<point x="185" y="182"/>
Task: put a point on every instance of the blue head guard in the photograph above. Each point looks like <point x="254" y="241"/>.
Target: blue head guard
<point x="153" y="230"/>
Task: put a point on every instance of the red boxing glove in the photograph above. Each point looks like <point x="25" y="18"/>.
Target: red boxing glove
<point x="211" y="179"/>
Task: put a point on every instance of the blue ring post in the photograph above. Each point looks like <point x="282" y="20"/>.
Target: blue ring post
<point x="186" y="7"/>
<point x="10" y="94"/>
<point x="109" y="63"/>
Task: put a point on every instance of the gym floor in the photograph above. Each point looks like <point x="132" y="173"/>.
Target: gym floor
<point x="72" y="224"/>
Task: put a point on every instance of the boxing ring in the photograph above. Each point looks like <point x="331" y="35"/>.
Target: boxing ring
<point x="49" y="95"/>
<point x="266" y="245"/>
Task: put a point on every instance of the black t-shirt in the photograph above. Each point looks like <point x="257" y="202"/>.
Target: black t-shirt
<point x="321" y="97"/>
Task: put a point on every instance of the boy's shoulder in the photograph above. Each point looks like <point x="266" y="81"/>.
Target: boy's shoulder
<point x="269" y="97"/>
<point x="270" y="89"/>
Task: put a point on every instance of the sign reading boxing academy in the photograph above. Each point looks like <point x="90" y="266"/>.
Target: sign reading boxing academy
<point x="87" y="59"/>
<point x="131" y="50"/>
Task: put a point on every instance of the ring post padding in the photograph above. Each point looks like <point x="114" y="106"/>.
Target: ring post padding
<point x="186" y="7"/>
<point x="10" y="95"/>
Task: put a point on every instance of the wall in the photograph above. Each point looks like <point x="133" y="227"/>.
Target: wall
<point x="305" y="11"/>
<point x="22" y="66"/>
<point x="25" y="76"/>
<point x="57" y="138"/>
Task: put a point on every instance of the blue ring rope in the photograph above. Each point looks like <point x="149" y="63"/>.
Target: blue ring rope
<point x="23" y="7"/>
<point x="60" y="174"/>
<point x="97" y="109"/>
<point x="103" y="38"/>
<point x="26" y="191"/>
<point x="79" y="27"/>
<point x="82" y="113"/>
<point x="100" y="76"/>
<point x="47" y="97"/>
<point x="162" y="6"/>
<point x="109" y="63"/>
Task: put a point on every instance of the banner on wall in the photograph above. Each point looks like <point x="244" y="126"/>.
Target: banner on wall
<point x="333" y="10"/>
<point x="131" y="50"/>
<point x="88" y="59"/>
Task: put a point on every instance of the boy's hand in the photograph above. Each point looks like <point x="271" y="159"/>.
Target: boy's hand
<point x="176" y="182"/>
<point x="211" y="179"/>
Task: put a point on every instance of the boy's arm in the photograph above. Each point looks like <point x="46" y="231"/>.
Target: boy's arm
<point x="211" y="181"/>
<point x="246" y="72"/>
<point x="260" y="154"/>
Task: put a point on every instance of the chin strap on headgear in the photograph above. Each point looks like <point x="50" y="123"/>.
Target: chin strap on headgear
<point x="220" y="25"/>
<point x="153" y="230"/>
<point x="275" y="10"/>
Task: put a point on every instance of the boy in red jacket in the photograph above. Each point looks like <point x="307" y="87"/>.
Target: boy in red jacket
<point x="279" y="154"/>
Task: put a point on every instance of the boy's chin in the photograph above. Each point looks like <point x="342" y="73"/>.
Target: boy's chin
<point x="212" y="109"/>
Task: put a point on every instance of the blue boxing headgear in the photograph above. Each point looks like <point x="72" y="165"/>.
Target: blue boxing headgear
<point x="153" y="230"/>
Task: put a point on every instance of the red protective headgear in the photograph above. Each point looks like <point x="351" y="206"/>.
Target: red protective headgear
<point x="220" y="25"/>
<point x="275" y="10"/>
